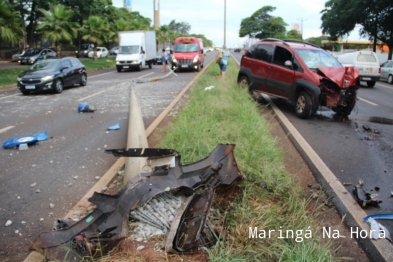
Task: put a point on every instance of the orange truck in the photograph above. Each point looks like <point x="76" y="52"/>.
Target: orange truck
<point x="187" y="54"/>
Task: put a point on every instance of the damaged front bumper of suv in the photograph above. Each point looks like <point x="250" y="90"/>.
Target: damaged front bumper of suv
<point x="339" y="87"/>
<point x="98" y="232"/>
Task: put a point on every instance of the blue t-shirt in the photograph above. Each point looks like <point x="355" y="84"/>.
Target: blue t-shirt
<point x="225" y="56"/>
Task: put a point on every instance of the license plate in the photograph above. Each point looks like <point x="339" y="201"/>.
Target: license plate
<point x="366" y="78"/>
<point x="125" y="66"/>
<point x="184" y="65"/>
<point x="30" y="87"/>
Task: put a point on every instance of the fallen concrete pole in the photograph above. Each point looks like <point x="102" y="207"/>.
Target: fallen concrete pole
<point x="136" y="138"/>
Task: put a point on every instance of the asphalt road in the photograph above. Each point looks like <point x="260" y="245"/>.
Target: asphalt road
<point x="351" y="152"/>
<point x="61" y="169"/>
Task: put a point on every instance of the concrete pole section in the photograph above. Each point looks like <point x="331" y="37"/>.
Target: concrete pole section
<point x="136" y="139"/>
<point x="156" y="14"/>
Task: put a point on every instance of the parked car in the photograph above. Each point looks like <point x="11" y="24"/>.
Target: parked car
<point x="237" y="50"/>
<point x="300" y="72"/>
<point x="387" y="71"/>
<point x="35" y="54"/>
<point x="16" y="57"/>
<point x="84" y="50"/>
<point x="114" y="50"/>
<point x="52" y="74"/>
<point x="101" y="52"/>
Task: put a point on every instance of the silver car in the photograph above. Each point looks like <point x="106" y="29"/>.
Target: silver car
<point x="16" y="56"/>
<point x="387" y="71"/>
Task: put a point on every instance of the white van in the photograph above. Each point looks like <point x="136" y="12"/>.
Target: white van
<point x="367" y="63"/>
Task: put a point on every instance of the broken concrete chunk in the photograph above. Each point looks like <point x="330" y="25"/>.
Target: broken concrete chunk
<point x="8" y="223"/>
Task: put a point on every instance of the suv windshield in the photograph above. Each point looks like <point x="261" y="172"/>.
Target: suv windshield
<point x="186" y="47"/>
<point x="45" y="64"/>
<point x="133" y="49"/>
<point x="315" y="58"/>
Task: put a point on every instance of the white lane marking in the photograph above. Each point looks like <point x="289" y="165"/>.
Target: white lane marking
<point x="384" y="85"/>
<point x="5" y="129"/>
<point x="87" y="97"/>
<point x="365" y="100"/>
<point x="102" y="74"/>
<point x="9" y="96"/>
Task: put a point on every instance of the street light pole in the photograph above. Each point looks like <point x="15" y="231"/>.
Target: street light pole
<point x="225" y="23"/>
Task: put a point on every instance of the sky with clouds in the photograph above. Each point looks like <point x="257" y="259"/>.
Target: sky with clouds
<point x="207" y="16"/>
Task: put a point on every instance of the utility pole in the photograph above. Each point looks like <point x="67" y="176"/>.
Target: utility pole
<point x="225" y="23"/>
<point x="156" y="14"/>
<point x="301" y="26"/>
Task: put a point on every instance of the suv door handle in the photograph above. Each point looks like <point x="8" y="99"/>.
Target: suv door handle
<point x="271" y="68"/>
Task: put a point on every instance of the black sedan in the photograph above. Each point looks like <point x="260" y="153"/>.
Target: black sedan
<point x="52" y="74"/>
<point x="33" y="55"/>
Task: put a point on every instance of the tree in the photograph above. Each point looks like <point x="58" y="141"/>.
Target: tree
<point x="340" y="17"/>
<point x="10" y="24"/>
<point x="96" y="30"/>
<point x="162" y="35"/>
<point x="181" y="28"/>
<point x="293" y="34"/>
<point x="318" y="41"/>
<point x="57" y="25"/>
<point x="262" y="25"/>
<point x="123" y="20"/>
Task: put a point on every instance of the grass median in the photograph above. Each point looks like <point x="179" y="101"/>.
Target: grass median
<point x="268" y="199"/>
<point x="8" y="76"/>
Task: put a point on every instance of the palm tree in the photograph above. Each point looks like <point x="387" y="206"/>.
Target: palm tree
<point x="57" y="25"/>
<point x="10" y="24"/>
<point x="163" y="35"/>
<point x="96" y="30"/>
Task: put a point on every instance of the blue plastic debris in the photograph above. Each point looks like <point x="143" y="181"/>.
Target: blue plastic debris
<point x="84" y="107"/>
<point x="114" y="127"/>
<point x="30" y="139"/>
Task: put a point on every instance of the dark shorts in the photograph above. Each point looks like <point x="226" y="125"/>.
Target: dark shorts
<point x="222" y="66"/>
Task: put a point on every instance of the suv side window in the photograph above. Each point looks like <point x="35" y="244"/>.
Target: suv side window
<point x="296" y="65"/>
<point x="281" y="55"/>
<point x="264" y="52"/>
<point x="251" y="52"/>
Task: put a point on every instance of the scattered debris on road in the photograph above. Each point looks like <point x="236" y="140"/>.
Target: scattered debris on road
<point x="85" y="108"/>
<point x="195" y="183"/>
<point x="28" y="140"/>
<point x="376" y="228"/>
<point x="114" y="127"/>
<point x="364" y="197"/>
<point x="8" y="223"/>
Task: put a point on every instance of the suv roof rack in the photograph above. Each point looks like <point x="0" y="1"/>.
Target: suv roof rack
<point x="301" y="42"/>
<point x="286" y="41"/>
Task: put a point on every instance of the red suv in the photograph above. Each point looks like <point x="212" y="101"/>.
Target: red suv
<point x="300" y="72"/>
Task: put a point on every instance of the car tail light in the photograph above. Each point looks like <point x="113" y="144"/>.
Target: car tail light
<point x="379" y="70"/>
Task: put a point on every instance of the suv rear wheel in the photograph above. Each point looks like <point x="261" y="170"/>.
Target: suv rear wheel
<point x="303" y="105"/>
